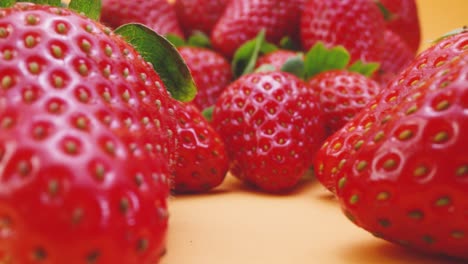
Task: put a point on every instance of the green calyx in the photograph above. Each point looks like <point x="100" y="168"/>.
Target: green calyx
<point x="388" y="16"/>
<point x="164" y="58"/>
<point x="451" y="33"/>
<point x="197" y="39"/>
<point x="320" y="59"/>
<point x="245" y="57"/>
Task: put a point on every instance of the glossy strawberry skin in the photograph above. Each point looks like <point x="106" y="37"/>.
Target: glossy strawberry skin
<point x="276" y="58"/>
<point x="199" y="15"/>
<point x="202" y="162"/>
<point x="86" y="142"/>
<point x="396" y="56"/>
<point x="329" y="158"/>
<point x="243" y="20"/>
<point x="342" y="95"/>
<point x="358" y="25"/>
<point x="404" y="20"/>
<point x="271" y="125"/>
<point x="403" y="177"/>
<point x="159" y="15"/>
<point x="210" y="71"/>
<point x="414" y="190"/>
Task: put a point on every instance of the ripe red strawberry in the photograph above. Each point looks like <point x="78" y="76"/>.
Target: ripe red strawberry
<point x="199" y="15"/>
<point x="210" y="71"/>
<point x="403" y="174"/>
<point x="159" y="15"/>
<point x="396" y="56"/>
<point x="85" y="136"/>
<point x="244" y="19"/>
<point x="403" y="19"/>
<point x="202" y="161"/>
<point x="276" y="58"/>
<point x="336" y="148"/>
<point x="342" y="95"/>
<point x="358" y="25"/>
<point x="271" y="125"/>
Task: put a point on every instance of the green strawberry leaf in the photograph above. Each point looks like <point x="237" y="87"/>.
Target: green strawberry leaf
<point x="295" y="65"/>
<point x="7" y="3"/>
<point x="208" y="113"/>
<point x="450" y="33"/>
<point x="267" y="47"/>
<point x="265" y="68"/>
<point x="319" y="59"/>
<point x="199" y="39"/>
<point x="90" y="8"/>
<point x="366" y="69"/>
<point x="39" y="2"/>
<point x="288" y="44"/>
<point x="246" y="55"/>
<point x="164" y="58"/>
<point x="176" y="40"/>
<point x="388" y="16"/>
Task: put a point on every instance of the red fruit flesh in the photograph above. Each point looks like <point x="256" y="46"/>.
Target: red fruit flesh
<point x="409" y="184"/>
<point x="276" y="58"/>
<point x="244" y="19"/>
<point x="404" y="21"/>
<point x="84" y="150"/>
<point x="427" y="63"/>
<point x="399" y="168"/>
<point x="358" y="25"/>
<point x="202" y="161"/>
<point x="271" y="126"/>
<point x="396" y="56"/>
<point x="210" y="71"/>
<point x="199" y="15"/>
<point x="342" y="94"/>
<point x="159" y="15"/>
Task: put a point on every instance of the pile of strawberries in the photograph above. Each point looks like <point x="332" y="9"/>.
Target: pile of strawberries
<point x="93" y="139"/>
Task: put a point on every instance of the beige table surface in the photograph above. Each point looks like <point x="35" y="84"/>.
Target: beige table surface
<point x="233" y="224"/>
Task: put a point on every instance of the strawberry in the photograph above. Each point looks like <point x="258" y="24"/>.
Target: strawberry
<point x="271" y="125"/>
<point x="277" y="58"/>
<point x="399" y="167"/>
<point x="200" y="15"/>
<point x="330" y="158"/>
<point x="202" y="161"/>
<point x="358" y="25"/>
<point x="244" y="19"/>
<point x="211" y="73"/>
<point x="86" y="140"/>
<point x="401" y="17"/>
<point x="159" y="15"/>
<point x="342" y="95"/>
<point x="396" y="56"/>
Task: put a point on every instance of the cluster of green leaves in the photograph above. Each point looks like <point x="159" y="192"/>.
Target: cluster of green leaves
<point x="318" y="59"/>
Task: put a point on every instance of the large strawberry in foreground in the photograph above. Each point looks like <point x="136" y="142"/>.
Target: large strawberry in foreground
<point x="399" y="168"/>
<point x="86" y="139"/>
<point x="271" y="124"/>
